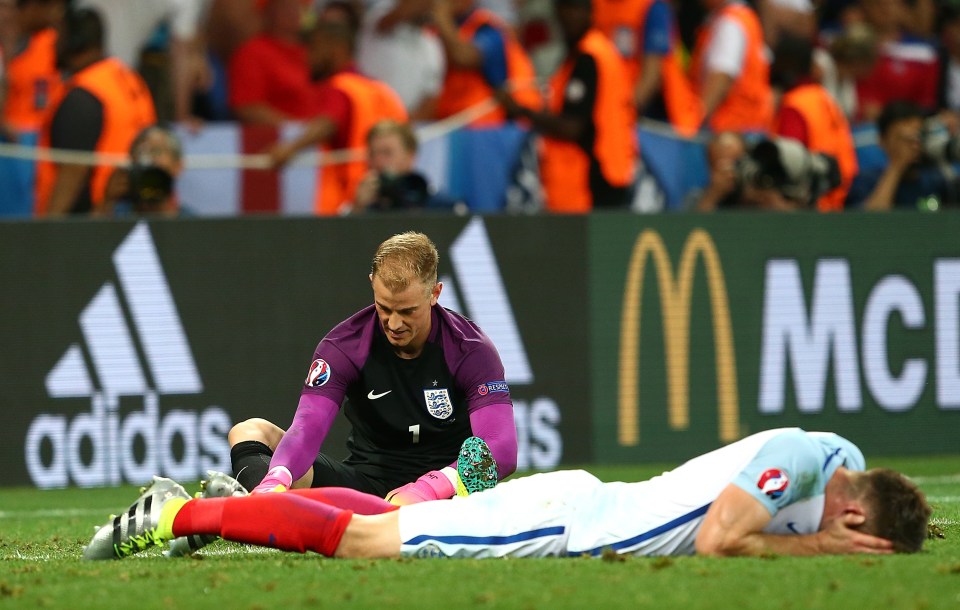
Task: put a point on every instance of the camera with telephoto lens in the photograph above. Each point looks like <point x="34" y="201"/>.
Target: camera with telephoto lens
<point x="150" y="186"/>
<point x="788" y="167"/>
<point x="402" y="191"/>
<point x="938" y="145"/>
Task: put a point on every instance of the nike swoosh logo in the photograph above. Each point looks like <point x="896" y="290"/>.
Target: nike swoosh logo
<point x="373" y="395"/>
<point x="792" y="527"/>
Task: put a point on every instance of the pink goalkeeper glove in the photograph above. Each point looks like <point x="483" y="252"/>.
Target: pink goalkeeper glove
<point x="435" y="485"/>
<point x="278" y="479"/>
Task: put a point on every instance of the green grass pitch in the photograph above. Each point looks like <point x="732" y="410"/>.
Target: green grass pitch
<point x="41" y="534"/>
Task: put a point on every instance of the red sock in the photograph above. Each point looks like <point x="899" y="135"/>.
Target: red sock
<point x="349" y="499"/>
<point x="199" y="517"/>
<point x="284" y="521"/>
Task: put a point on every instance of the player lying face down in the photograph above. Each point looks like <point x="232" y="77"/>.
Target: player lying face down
<point x="783" y="491"/>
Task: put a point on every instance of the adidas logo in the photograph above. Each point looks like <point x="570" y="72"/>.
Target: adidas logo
<point x="484" y="293"/>
<point x="479" y="283"/>
<point x="133" y="345"/>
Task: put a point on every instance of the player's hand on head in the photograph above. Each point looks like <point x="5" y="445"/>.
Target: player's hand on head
<point x="278" y="479"/>
<point x="432" y="486"/>
<point x="841" y="535"/>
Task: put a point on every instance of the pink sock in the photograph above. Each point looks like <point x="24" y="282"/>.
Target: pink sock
<point x="350" y="499"/>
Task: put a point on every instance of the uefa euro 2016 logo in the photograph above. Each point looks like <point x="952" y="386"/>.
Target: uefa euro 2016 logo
<point x="318" y="374"/>
<point x="773" y="482"/>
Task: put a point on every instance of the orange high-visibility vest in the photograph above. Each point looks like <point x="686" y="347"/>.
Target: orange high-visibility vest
<point x="749" y="102"/>
<point x="622" y="21"/>
<point x="127" y="110"/>
<point x="565" y="166"/>
<point x="466" y="87"/>
<point x="828" y="132"/>
<point x="370" y="101"/>
<point x="33" y="82"/>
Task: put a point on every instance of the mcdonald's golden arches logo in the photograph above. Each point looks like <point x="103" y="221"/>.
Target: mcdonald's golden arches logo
<point x="675" y="303"/>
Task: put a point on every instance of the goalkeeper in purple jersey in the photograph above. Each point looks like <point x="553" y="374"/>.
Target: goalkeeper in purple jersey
<point x="418" y="380"/>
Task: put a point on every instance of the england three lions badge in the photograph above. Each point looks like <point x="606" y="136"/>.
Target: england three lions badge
<point x="438" y="403"/>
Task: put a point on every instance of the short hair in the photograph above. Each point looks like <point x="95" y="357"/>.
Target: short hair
<point x="897" y="111"/>
<point x="347" y="7"/>
<point x="792" y="59"/>
<point x="404" y="258"/>
<point x="857" y="42"/>
<point x="897" y="509"/>
<point x="170" y="138"/>
<point x="84" y="31"/>
<point x="391" y="127"/>
<point x="339" y="33"/>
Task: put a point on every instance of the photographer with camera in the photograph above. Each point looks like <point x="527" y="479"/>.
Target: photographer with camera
<point x="777" y="174"/>
<point x="391" y="182"/>
<point x="780" y="174"/>
<point x="147" y="185"/>
<point x="918" y="173"/>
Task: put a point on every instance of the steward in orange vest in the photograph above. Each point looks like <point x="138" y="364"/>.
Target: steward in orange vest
<point x="654" y="64"/>
<point x="370" y="102"/>
<point x="808" y="113"/>
<point x="483" y="55"/>
<point x="348" y="105"/>
<point x="589" y="148"/>
<point x="33" y="82"/>
<point x="104" y="106"/>
<point x="739" y="102"/>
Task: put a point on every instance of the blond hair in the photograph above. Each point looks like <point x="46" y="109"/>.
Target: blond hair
<point x="405" y="258"/>
<point x="389" y="127"/>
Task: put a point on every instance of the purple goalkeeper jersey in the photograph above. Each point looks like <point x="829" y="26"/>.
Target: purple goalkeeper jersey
<point x="408" y="416"/>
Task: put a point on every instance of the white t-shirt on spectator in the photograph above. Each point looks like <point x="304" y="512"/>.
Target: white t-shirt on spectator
<point x="728" y="47"/>
<point x="128" y="24"/>
<point x="801" y="6"/>
<point x="408" y="58"/>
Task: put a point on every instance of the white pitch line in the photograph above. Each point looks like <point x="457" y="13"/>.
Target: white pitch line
<point x="944" y="499"/>
<point x="53" y="513"/>
<point x="936" y="480"/>
<point x="221" y="550"/>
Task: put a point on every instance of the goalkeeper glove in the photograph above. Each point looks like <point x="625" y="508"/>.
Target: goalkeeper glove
<point x="435" y="485"/>
<point x="278" y="479"/>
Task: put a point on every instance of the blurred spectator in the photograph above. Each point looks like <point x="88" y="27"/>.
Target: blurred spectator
<point x="9" y="30"/>
<point x="906" y="66"/>
<point x="148" y="186"/>
<point x="730" y="69"/>
<point x="269" y="77"/>
<point x="343" y="12"/>
<point x="128" y="27"/>
<point x="807" y="113"/>
<point x="482" y="56"/>
<point x="391" y="183"/>
<point x="919" y="17"/>
<point x="104" y="106"/>
<point x="396" y="48"/>
<point x="723" y="191"/>
<point x="229" y="24"/>
<point x="787" y="17"/>
<point x="948" y="91"/>
<point x="589" y="150"/>
<point x="645" y="34"/>
<point x="348" y="105"/>
<point x="851" y="57"/>
<point x="32" y="81"/>
<point x="910" y="179"/>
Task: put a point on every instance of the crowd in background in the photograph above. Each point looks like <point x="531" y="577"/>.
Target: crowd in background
<point x="771" y="86"/>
